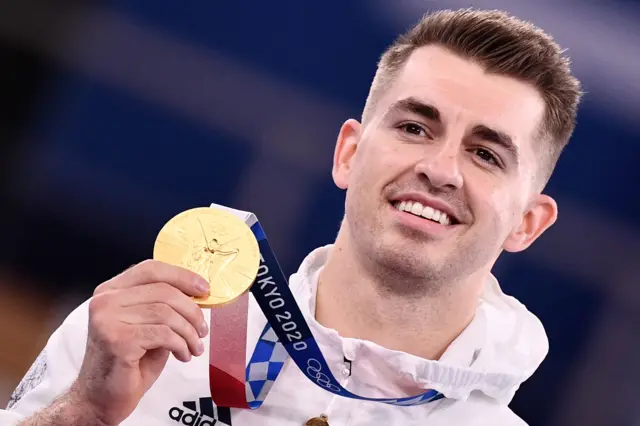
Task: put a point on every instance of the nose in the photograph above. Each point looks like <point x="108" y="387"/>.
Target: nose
<point x="441" y="166"/>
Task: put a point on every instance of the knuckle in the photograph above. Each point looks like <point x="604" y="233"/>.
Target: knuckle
<point x="195" y="337"/>
<point x="111" y="336"/>
<point x="159" y="312"/>
<point x="96" y="324"/>
<point x="177" y="340"/>
<point x="98" y="303"/>
<point x="99" y="289"/>
<point x="130" y="267"/>
<point x="147" y="263"/>
<point x="171" y="337"/>
<point x="186" y="328"/>
<point x="104" y="330"/>
<point x="191" y="335"/>
<point x="148" y="333"/>
<point x="144" y="270"/>
<point x="164" y="289"/>
<point x="104" y="287"/>
<point x="195" y="313"/>
<point x="164" y="332"/>
<point x="184" y="347"/>
<point x="107" y="285"/>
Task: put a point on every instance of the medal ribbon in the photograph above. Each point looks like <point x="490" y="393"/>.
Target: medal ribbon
<point x="233" y="382"/>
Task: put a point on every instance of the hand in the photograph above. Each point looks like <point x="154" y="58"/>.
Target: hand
<point x="135" y="321"/>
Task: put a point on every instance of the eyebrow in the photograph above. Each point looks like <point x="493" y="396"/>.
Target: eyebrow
<point x="415" y="106"/>
<point x="498" y="138"/>
<point x="430" y="112"/>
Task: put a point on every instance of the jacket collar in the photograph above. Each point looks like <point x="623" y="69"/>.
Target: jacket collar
<point x="501" y="347"/>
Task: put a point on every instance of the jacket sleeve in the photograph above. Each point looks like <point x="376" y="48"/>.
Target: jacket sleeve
<point x="53" y="371"/>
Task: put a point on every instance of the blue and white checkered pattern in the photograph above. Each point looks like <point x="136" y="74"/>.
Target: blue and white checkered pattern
<point x="266" y="363"/>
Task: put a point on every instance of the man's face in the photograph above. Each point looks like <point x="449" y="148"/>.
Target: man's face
<point x="456" y="141"/>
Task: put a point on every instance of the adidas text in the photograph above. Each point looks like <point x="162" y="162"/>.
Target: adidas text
<point x="190" y="419"/>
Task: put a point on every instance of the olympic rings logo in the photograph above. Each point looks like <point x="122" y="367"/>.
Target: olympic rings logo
<point x="314" y="370"/>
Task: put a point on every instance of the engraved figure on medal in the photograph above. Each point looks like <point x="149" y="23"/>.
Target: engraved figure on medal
<point x="219" y="261"/>
<point x="208" y="260"/>
<point x="215" y="245"/>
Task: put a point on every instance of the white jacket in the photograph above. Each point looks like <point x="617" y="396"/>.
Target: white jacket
<point x="479" y="373"/>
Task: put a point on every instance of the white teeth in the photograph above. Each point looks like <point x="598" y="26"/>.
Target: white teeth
<point x="427" y="212"/>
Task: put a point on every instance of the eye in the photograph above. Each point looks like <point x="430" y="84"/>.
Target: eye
<point x="413" y="129"/>
<point x="486" y="156"/>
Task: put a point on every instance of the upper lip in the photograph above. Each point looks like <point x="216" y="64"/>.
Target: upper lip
<point x="428" y="202"/>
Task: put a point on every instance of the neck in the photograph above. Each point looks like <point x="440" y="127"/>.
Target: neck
<point x="359" y="304"/>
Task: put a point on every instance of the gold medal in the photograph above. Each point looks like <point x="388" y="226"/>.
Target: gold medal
<point x="318" y="421"/>
<point x="214" y="244"/>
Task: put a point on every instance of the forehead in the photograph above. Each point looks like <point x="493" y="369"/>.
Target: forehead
<point x="467" y="95"/>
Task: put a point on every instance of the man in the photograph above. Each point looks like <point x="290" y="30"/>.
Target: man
<point x="465" y="121"/>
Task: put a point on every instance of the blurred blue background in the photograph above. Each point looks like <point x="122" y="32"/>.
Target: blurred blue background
<point x="116" y="115"/>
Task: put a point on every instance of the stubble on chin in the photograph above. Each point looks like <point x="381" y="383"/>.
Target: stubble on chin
<point x="401" y="274"/>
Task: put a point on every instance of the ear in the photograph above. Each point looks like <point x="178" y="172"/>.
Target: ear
<point x="542" y="213"/>
<point x="345" y="151"/>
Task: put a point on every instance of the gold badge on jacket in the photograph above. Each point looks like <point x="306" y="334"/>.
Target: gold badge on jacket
<point x="318" y="421"/>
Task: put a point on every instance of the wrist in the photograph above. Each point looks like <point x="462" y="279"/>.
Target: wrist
<point x="75" y="404"/>
<point x="69" y="409"/>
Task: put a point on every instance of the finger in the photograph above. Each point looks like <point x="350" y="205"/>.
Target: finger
<point x="171" y="296"/>
<point x="163" y="314"/>
<point x="162" y="337"/>
<point x="151" y="271"/>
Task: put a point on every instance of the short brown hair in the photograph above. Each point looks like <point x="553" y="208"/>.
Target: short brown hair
<point x="504" y="45"/>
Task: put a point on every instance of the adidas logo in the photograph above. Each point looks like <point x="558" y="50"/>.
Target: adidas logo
<point x="207" y="415"/>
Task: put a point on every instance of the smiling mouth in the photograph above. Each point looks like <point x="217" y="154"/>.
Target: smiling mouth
<point x="417" y="209"/>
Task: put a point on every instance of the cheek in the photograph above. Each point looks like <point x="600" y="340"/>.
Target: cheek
<point x="495" y="204"/>
<point x="506" y="207"/>
<point x="375" y="160"/>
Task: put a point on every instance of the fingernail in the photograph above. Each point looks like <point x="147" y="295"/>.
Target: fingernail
<point x="202" y="286"/>
<point x="203" y="329"/>
<point x="199" y="348"/>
